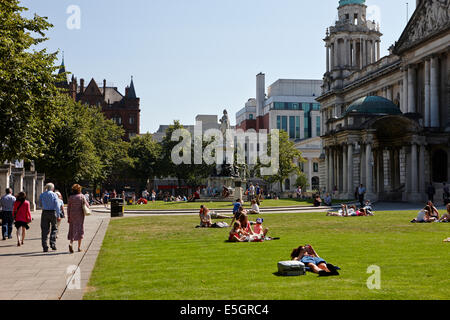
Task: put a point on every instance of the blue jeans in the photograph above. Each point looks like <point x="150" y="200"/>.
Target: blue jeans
<point x="314" y="260"/>
<point x="7" y="224"/>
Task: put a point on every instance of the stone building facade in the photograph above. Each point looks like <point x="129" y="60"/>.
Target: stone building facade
<point x="386" y="121"/>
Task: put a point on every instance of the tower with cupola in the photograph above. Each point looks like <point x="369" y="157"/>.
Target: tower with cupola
<point x="351" y="44"/>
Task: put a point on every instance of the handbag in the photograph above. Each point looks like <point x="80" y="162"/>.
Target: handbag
<point x="86" y="209"/>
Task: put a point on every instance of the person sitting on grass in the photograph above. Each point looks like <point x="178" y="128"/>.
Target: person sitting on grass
<point x="142" y="201"/>
<point x="433" y="212"/>
<point x="259" y="230"/>
<point x="424" y="215"/>
<point x="327" y="200"/>
<point x="255" y="208"/>
<point x="195" y="196"/>
<point x="368" y="208"/>
<point x="308" y="256"/>
<point x="317" y="200"/>
<point x="236" y="233"/>
<point x="236" y="210"/>
<point x="205" y="217"/>
<point x="245" y="224"/>
<point x="446" y="217"/>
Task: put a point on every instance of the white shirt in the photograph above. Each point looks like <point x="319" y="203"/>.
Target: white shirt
<point x="421" y="216"/>
<point x="255" y="207"/>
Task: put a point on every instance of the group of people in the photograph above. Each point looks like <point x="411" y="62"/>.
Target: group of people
<point x="16" y="210"/>
<point x="318" y="201"/>
<point x="430" y="214"/>
<point x="353" y="211"/>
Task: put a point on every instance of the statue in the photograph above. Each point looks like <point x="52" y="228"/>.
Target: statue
<point x="225" y="123"/>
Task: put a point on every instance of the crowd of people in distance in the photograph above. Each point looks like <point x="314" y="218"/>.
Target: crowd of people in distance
<point x="353" y="211"/>
<point x="430" y="214"/>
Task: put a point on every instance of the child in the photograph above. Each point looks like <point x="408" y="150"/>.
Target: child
<point x="258" y="229"/>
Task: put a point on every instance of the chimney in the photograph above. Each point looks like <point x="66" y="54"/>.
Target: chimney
<point x="127" y="89"/>
<point x="260" y="94"/>
<point x="104" y="88"/>
<point x="81" y="86"/>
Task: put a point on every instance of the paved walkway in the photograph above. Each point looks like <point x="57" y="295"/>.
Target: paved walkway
<point x="30" y="274"/>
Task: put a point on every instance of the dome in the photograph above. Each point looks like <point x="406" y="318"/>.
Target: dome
<point x="373" y="105"/>
<point x="346" y="2"/>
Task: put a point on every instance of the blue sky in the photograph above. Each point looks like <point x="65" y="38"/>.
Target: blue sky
<point x="192" y="57"/>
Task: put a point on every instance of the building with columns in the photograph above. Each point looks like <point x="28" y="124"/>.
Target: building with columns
<point x="386" y="120"/>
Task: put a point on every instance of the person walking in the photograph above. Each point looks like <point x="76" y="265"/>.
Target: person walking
<point x="7" y="203"/>
<point x="22" y="217"/>
<point x="61" y="211"/>
<point x="75" y="217"/>
<point x="431" y="191"/>
<point x="48" y="201"/>
<point x="361" y="194"/>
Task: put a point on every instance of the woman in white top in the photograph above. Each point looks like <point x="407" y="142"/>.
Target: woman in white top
<point x="424" y="215"/>
<point x="255" y="208"/>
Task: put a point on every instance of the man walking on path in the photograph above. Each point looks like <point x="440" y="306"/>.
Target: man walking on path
<point x="7" y="203"/>
<point x="361" y="194"/>
<point x="50" y="215"/>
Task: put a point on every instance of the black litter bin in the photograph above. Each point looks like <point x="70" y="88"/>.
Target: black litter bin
<point x="117" y="207"/>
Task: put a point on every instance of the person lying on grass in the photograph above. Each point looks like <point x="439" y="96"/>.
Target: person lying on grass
<point x="213" y="215"/>
<point x="351" y="211"/>
<point x="446" y="217"/>
<point x="424" y="215"/>
<point x="308" y="256"/>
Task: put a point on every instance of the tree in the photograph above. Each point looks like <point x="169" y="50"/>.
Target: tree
<point x="192" y="174"/>
<point x="287" y="154"/>
<point x="145" y="153"/>
<point x="302" y="181"/>
<point x="28" y="109"/>
<point x="86" y="147"/>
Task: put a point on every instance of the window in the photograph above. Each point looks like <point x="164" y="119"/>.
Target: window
<point x="315" y="167"/>
<point x="297" y="127"/>
<point x="250" y="116"/>
<point x="291" y="127"/>
<point x="279" y="122"/>
<point x="307" y="127"/>
<point x="318" y="126"/>
<point x="131" y="135"/>
<point x="132" y="119"/>
<point x="117" y="120"/>
<point x="284" y="123"/>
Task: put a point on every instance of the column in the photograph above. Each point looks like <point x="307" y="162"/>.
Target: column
<point x="332" y="170"/>
<point x="369" y="171"/>
<point x="378" y="50"/>
<point x="374" y="50"/>
<point x="427" y="117"/>
<point x="39" y="187"/>
<point x="392" y="171"/>
<point x="328" y="166"/>
<point x="414" y="170"/>
<point x="5" y="173"/>
<point x="380" y="170"/>
<point x="332" y="50"/>
<point x="422" y="182"/>
<point x="361" y="54"/>
<point x="364" y="53"/>
<point x="336" y="53"/>
<point x="328" y="57"/>
<point x="310" y="171"/>
<point x="347" y="54"/>
<point x="350" y="169"/>
<point x="354" y="54"/>
<point x="404" y="102"/>
<point x="411" y="89"/>
<point x="434" y="92"/>
<point x="30" y="188"/>
<point x="344" y="169"/>
<point x="18" y="175"/>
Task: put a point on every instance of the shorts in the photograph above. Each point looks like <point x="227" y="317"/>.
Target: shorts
<point x="313" y="260"/>
<point x="19" y="224"/>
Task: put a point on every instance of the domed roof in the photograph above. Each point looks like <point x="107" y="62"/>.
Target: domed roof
<point x="373" y="105"/>
<point x="345" y="2"/>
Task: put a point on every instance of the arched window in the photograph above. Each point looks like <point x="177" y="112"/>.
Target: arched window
<point x="287" y="185"/>
<point x="315" y="183"/>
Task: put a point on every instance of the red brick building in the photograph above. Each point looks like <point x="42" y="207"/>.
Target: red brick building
<point x="122" y="109"/>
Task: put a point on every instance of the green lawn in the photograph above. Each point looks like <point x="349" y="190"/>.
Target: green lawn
<point x="160" y="205"/>
<point x="167" y="258"/>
